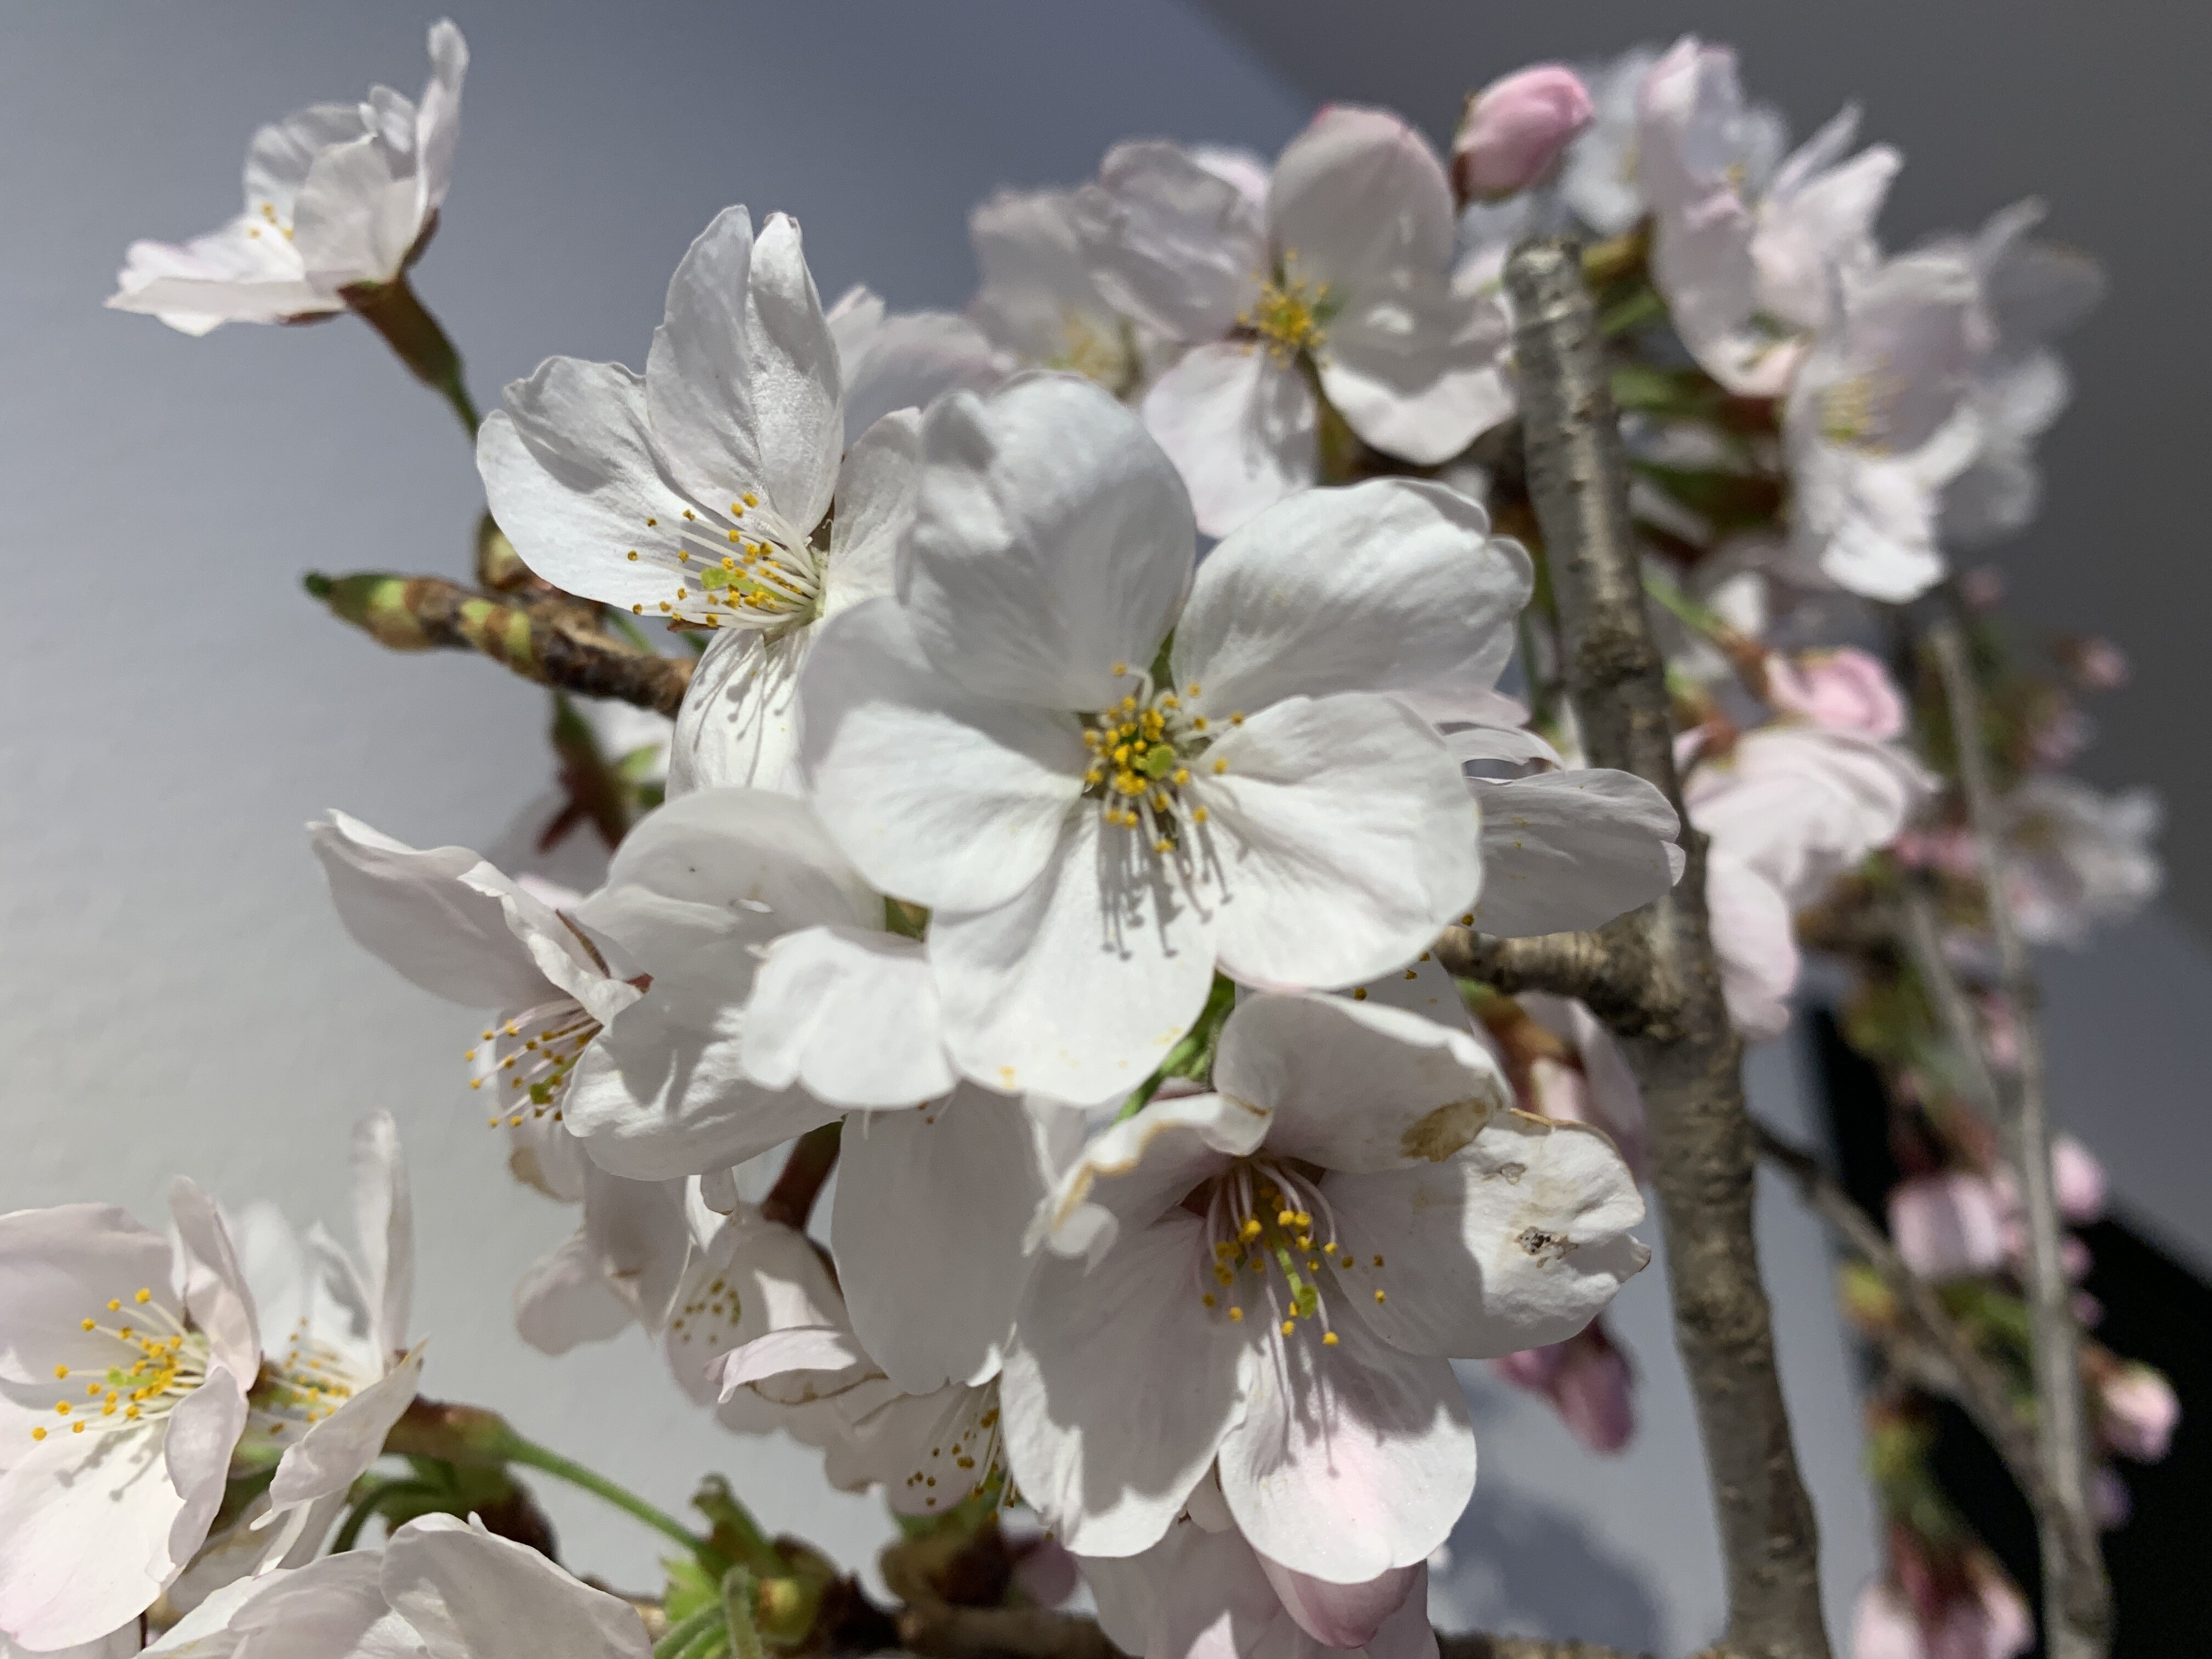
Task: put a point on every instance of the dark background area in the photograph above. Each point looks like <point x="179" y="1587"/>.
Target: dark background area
<point x="2098" y="110"/>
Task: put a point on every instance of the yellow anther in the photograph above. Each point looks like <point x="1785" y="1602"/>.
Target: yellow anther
<point x="1197" y="814"/>
<point x="1288" y="1328"/>
<point x="1120" y="669"/>
<point x="1195" y="690"/>
<point x="1207" y="1298"/>
<point x="1378" y="1260"/>
<point x="1250" y="1230"/>
<point x="639" y="610"/>
<point x="88" y="1324"/>
<point x="1197" y="723"/>
<point x="1180" y="776"/>
<point x="1359" y="993"/>
<point x="1468" y="920"/>
<point x="632" y="556"/>
<point x="62" y="1406"/>
<point x="1236" y="1315"/>
<point x="63" y="1370"/>
<point x="649" y="523"/>
<point x="38" y="1434"/>
<point x="1286" y="1218"/>
<point x="1379" y="1297"/>
<point x="1220" y="766"/>
<point x="1328" y="1339"/>
<point x="1236" y="720"/>
<point x="751" y="499"/>
<point x="144" y="1297"/>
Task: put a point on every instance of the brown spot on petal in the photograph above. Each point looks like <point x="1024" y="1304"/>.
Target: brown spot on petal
<point x="1445" y="1130"/>
<point x="1540" y="1243"/>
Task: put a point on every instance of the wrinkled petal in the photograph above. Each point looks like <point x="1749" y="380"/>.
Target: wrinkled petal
<point x="384" y="1216"/>
<point x="963" y="1174"/>
<point x="1388" y="585"/>
<point x="1174" y="244"/>
<point x="738" y="723"/>
<point x="1517" y="1241"/>
<point x="1052" y="544"/>
<point x="1141" y="1168"/>
<point x="1077" y="988"/>
<point x="1354" y="1086"/>
<point x="356" y="215"/>
<point x="337" y="1449"/>
<point x="1417" y="370"/>
<point x="1565" y="851"/>
<point x="937" y="796"/>
<point x="1119" y="1389"/>
<point x="1332" y="873"/>
<point x="909" y="360"/>
<point x="743" y="380"/>
<point x="1242" y="426"/>
<point x="875" y="506"/>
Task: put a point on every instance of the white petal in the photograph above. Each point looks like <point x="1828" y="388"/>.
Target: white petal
<point x="337" y="1449"/>
<point x="1357" y="193"/>
<point x="1051" y="542"/>
<point x="1345" y="1615"/>
<point x="216" y="1298"/>
<point x="1517" y="1242"/>
<point x="438" y="122"/>
<point x="1388" y="585"/>
<point x="278" y="159"/>
<point x="742" y="380"/>
<point x="1354" y="1086"/>
<point x="572" y="474"/>
<point x="963" y="1174"/>
<point x="937" y="795"/>
<point x="242" y="272"/>
<point x="412" y="909"/>
<point x="200" y="1434"/>
<point x="1173" y="244"/>
<point x="909" y="360"/>
<point x="563" y="1299"/>
<point x="1418" y="371"/>
<point x="356" y="215"/>
<point x="1142" y="1166"/>
<point x="738" y="723"/>
<point x="1563" y="851"/>
<point x="1242" y="426"/>
<point x="1755" y="937"/>
<point x="875" y="506"/>
<point x="760" y="857"/>
<point x="797" y="1348"/>
<point x="84" y="1535"/>
<point x="1341" y="839"/>
<point x="1350" y="1460"/>
<point x="472" y="1595"/>
<point x="1077" y="988"/>
<point x="384" y="1215"/>
<point x="850" y="1015"/>
<point x="1119" y="1389"/>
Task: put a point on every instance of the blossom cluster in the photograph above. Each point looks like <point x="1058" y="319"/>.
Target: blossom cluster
<point x="1104" y="699"/>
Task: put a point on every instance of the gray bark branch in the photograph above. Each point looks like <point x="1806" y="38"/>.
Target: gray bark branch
<point x="2077" y="1595"/>
<point x="1690" y="1072"/>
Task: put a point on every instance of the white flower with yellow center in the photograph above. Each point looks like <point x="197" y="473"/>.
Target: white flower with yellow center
<point x="1040" y="300"/>
<point x="1334" y="273"/>
<point x="1265" y="1284"/>
<point x="337" y="195"/>
<point x="699" y="493"/>
<point x="124" y="1376"/>
<point x="1096" y="821"/>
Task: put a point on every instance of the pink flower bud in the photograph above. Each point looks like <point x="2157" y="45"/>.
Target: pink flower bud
<point x="2137" y="1413"/>
<point x="1589" y="1382"/>
<point x="1515" y="130"/>
<point x="2079" y="1178"/>
<point x="1845" y="689"/>
<point x="2098" y="664"/>
<point x="1948" y="1226"/>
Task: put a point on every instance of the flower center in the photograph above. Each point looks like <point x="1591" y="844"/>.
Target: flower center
<point x="1856" y="411"/>
<point x="1142" y="751"/>
<point x="1094" y="353"/>
<point x="293" y="1393"/>
<point x="529" y="1059"/>
<point x="159" y="1360"/>
<point x="1270" y="1231"/>
<point x="270" y="221"/>
<point x="1290" y="315"/>
<point x="749" y="568"/>
<point x="965" y="1464"/>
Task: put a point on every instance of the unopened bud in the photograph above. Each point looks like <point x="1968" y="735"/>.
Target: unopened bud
<point x="1515" y="130"/>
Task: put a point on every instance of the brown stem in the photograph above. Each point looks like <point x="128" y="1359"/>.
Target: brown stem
<point x="1942" y="1359"/>
<point x="557" y="642"/>
<point x="1580" y="965"/>
<point x="2077" y="1596"/>
<point x="416" y="337"/>
<point x="1691" y="1071"/>
<point x="791" y="1200"/>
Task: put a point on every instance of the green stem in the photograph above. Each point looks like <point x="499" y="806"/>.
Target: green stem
<point x="737" y="1587"/>
<point x="392" y="309"/>
<point x="516" y="1449"/>
<point x="681" y="1635"/>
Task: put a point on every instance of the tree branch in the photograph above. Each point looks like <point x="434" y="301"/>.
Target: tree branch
<point x="1690" y="1072"/>
<point x="1944" y="1361"/>
<point x="1580" y="965"/>
<point x="2077" y="1596"/>
<point x="555" y="641"/>
<point x="813" y="1156"/>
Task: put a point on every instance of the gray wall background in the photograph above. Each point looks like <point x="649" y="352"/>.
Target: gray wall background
<point x="175" y="994"/>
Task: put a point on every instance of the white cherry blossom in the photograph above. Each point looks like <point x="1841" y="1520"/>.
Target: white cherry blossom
<point x="441" y="1589"/>
<point x="1791" y="807"/>
<point x="125" y="1367"/>
<point x="1343" y="275"/>
<point x="1745" y="268"/>
<point x="1093" y="834"/>
<point x="2079" y="858"/>
<point x="338" y="197"/>
<point x="1879" y="419"/>
<point x="699" y="493"/>
<point x="1266" y="1282"/>
<point x="1601" y="181"/>
<point x="1041" y="300"/>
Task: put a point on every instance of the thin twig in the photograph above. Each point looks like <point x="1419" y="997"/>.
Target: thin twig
<point x="1691" y="1071"/>
<point x="2077" y="1595"/>
<point x="1579" y="965"/>
<point x="1944" y="1361"/>
<point x="553" y="641"/>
